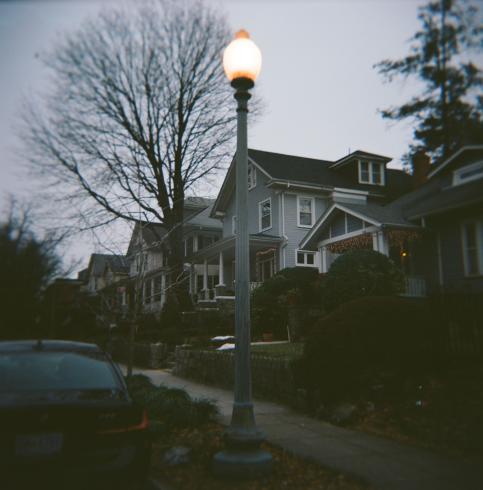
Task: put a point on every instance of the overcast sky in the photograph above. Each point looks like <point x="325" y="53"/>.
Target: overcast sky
<point x="317" y="78"/>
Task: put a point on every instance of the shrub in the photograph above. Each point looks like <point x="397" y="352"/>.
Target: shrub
<point x="169" y="408"/>
<point x="367" y="342"/>
<point x="359" y="273"/>
<point x="297" y="287"/>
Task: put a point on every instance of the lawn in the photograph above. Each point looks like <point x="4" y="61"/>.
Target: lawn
<point x="287" y="350"/>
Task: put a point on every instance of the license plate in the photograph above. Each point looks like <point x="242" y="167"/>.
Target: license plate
<point x="38" y="444"/>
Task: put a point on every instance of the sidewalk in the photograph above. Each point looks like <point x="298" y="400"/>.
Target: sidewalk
<point x="387" y="465"/>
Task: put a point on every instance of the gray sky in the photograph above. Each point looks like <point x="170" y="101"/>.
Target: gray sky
<point x="317" y="80"/>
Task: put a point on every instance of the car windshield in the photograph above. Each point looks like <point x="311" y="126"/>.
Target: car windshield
<point x="33" y="371"/>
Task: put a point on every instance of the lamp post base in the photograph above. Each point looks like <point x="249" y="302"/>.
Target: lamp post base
<point x="241" y="464"/>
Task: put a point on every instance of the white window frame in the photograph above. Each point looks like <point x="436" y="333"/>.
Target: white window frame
<point x="252" y="176"/>
<point x="312" y="208"/>
<point x="458" y="180"/>
<point x="306" y="253"/>
<point x="479" y="247"/>
<point x="260" y="214"/>
<point x="233" y="224"/>
<point x="371" y="166"/>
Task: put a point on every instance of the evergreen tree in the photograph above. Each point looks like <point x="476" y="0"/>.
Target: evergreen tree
<point x="448" y="113"/>
<point x="27" y="264"/>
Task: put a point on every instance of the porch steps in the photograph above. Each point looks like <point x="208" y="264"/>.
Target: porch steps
<point x="207" y="305"/>
<point x="170" y="362"/>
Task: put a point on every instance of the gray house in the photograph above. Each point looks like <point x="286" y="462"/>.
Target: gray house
<point x="289" y="197"/>
<point x="305" y="212"/>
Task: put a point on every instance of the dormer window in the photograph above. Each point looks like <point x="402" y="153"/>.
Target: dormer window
<point x="252" y="176"/>
<point x="468" y="173"/>
<point x="371" y="173"/>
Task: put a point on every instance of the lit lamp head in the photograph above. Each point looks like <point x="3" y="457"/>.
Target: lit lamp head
<point x="242" y="61"/>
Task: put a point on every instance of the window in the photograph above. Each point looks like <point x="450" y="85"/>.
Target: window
<point x="364" y="172"/>
<point x="472" y="245"/>
<point x="189" y="246"/>
<point x="157" y="289"/>
<point x="304" y="258"/>
<point x="233" y="225"/>
<point x="265" y="213"/>
<point x="147" y="291"/>
<point x="468" y="173"/>
<point x="204" y="241"/>
<point x="371" y="173"/>
<point x="305" y="212"/>
<point x="252" y="176"/>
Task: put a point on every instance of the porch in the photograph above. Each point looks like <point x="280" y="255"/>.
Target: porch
<point x="212" y="270"/>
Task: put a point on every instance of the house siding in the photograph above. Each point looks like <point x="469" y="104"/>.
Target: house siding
<point x="293" y="232"/>
<point x="453" y="273"/>
<point x="255" y="196"/>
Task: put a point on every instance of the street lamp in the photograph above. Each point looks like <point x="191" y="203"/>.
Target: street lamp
<point x="243" y="457"/>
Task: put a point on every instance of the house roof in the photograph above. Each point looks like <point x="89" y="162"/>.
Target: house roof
<point x="375" y="214"/>
<point x="438" y="167"/>
<point x="385" y="215"/>
<point x="292" y="169"/>
<point x="98" y="263"/>
<point x="118" y="264"/>
<point x="197" y="202"/>
<point x="445" y="199"/>
<point x="203" y="218"/>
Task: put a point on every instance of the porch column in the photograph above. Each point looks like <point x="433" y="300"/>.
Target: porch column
<point x="163" y="288"/>
<point x="323" y="259"/>
<point x="205" y="279"/>
<point x="383" y="248"/>
<point x="221" y="276"/>
<point x="375" y="246"/>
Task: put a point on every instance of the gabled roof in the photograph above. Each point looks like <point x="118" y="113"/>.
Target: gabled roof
<point x="118" y="264"/>
<point x="152" y="234"/>
<point x="203" y="218"/>
<point x="372" y="213"/>
<point x="98" y="263"/>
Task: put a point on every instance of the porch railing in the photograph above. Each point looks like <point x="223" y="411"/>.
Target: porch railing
<point x="415" y="287"/>
<point x="255" y="285"/>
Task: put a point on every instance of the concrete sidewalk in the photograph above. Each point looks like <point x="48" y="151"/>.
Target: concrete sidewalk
<point x="386" y="464"/>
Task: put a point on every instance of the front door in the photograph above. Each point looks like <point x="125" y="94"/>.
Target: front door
<point x="265" y="266"/>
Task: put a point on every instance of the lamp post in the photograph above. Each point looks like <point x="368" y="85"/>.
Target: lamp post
<point x="243" y="456"/>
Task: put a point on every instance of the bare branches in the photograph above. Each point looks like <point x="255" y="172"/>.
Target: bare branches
<point x="139" y="113"/>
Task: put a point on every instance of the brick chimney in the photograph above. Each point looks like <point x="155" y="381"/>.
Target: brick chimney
<point x="421" y="168"/>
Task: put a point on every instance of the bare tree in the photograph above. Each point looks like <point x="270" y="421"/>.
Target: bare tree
<point x="138" y="114"/>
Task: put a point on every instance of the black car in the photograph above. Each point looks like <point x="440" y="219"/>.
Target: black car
<point x="67" y="420"/>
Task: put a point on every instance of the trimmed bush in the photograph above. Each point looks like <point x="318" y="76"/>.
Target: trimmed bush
<point x="169" y="408"/>
<point x="294" y="287"/>
<point x="360" y="273"/>
<point x="369" y="342"/>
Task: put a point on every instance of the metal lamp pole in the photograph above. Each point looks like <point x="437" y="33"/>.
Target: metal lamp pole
<point x="243" y="457"/>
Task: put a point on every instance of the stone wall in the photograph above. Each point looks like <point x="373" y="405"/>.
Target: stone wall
<point x="151" y="356"/>
<point x="272" y="379"/>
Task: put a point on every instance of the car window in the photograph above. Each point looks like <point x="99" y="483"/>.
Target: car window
<point x="29" y="371"/>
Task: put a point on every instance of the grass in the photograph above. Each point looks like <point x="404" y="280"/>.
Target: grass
<point x="287" y="351"/>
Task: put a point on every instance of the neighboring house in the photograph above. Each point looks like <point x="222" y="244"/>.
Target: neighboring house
<point x="103" y="270"/>
<point x="148" y="253"/>
<point x="435" y="232"/>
